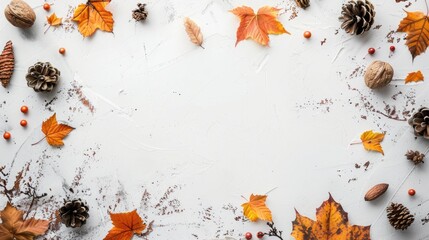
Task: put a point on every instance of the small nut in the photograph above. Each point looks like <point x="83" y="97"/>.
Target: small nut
<point x="378" y="74"/>
<point x="20" y="14"/>
<point x="376" y="191"/>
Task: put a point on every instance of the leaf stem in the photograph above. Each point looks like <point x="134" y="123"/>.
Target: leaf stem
<point x="356" y="143"/>
<point x="202" y="46"/>
<point x="38" y="141"/>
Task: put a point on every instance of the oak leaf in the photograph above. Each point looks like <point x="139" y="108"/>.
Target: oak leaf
<point x="125" y="225"/>
<point x="194" y="32"/>
<point x="92" y="16"/>
<point x="414" y="77"/>
<point x="54" y="132"/>
<point x="53" y="20"/>
<point x="258" y="26"/>
<point x="256" y="208"/>
<point x="331" y="224"/>
<point x="13" y="226"/>
<point x="371" y="141"/>
<point x="416" y="25"/>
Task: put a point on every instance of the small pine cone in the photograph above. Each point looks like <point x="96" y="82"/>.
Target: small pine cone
<point x="74" y="213"/>
<point x="357" y="16"/>
<point x="415" y="156"/>
<point x="399" y="216"/>
<point x="7" y="64"/>
<point x="303" y="3"/>
<point x="140" y="12"/>
<point x="42" y="77"/>
<point x="420" y="122"/>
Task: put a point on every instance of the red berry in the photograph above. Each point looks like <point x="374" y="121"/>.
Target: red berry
<point x="371" y="51"/>
<point x="23" y="123"/>
<point x="307" y="34"/>
<point x="6" y="135"/>
<point x="24" y="109"/>
<point x="411" y="192"/>
<point x="248" y="236"/>
<point x="47" y="6"/>
<point x="62" y="51"/>
<point x="392" y="48"/>
<point x="260" y="234"/>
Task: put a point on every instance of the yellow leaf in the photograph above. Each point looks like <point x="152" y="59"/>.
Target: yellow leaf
<point x="256" y="209"/>
<point x="416" y="25"/>
<point x="54" y="132"/>
<point x="194" y="32"/>
<point x="415" y="76"/>
<point x="258" y="26"/>
<point x="92" y="16"/>
<point x="371" y="141"/>
<point x="53" y="20"/>
<point x="331" y="224"/>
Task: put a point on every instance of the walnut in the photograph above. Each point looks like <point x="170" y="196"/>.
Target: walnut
<point x="20" y="14"/>
<point x="378" y="74"/>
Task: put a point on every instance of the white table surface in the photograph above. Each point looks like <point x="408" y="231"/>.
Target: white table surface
<point x="180" y="133"/>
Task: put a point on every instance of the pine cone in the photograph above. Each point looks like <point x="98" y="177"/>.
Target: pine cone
<point x="7" y="64"/>
<point x="420" y="122"/>
<point x="303" y="3"/>
<point x="415" y="156"/>
<point x="357" y="16"/>
<point x="42" y="77"/>
<point x="74" y="213"/>
<point x="399" y="216"/>
<point x="140" y="12"/>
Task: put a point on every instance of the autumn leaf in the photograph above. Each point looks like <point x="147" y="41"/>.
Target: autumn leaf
<point x="331" y="224"/>
<point x="194" y="32"/>
<point x="53" y="20"/>
<point x="13" y="226"/>
<point x="92" y="16"/>
<point x="125" y="225"/>
<point x="258" y="26"/>
<point x="256" y="209"/>
<point x="54" y="132"/>
<point x="416" y="25"/>
<point x="371" y="141"/>
<point x="414" y="77"/>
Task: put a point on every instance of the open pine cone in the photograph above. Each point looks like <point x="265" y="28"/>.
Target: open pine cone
<point x="42" y="77"/>
<point x="357" y="16"/>
<point x="303" y="3"/>
<point x="420" y="122"/>
<point x="399" y="216"/>
<point x="74" y="213"/>
<point x="140" y="12"/>
<point x="415" y="156"/>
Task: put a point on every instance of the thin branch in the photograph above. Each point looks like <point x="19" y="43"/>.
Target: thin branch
<point x="274" y="232"/>
<point x="31" y="192"/>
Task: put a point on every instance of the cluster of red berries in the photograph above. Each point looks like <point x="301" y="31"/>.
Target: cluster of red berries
<point x="249" y="236"/>
<point x="23" y="123"/>
<point x="371" y="51"/>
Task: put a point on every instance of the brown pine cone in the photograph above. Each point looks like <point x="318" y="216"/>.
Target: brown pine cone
<point x="303" y="3"/>
<point x="420" y="122"/>
<point x="399" y="216"/>
<point x="357" y="16"/>
<point x="42" y="77"/>
<point x="7" y="64"/>
<point x="415" y="156"/>
<point x="74" y="213"/>
<point x="140" y="12"/>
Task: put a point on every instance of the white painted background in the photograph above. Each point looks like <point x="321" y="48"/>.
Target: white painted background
<point x="216" y="123"/>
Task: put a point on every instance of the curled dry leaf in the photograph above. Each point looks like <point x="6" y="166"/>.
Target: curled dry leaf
<point x="125" y="225"/>
<point x="371" y="141"/>
<point x="92" y="16"/>
<point x="53" y="20"/>
<point x="331" y="223"/>
<point x="55" y="132"/>
<point x="415" y="76"/>
<point x="258" y="26"/>
<point x="194" y="32"/>
<point x="256" y="208"/>
<point x="13" y="226"/>
<point x="416" y="25"/>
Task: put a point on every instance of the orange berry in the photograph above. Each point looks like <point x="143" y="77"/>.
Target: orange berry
<point x="47" y="6"/>
<point x="62" y="50"/>
<point x="23" y="123"/>
<point x="24" y="109"/>
<point x="307" y="34"/>
<point x="411" y="192"/>
<point x="6" y="135"/>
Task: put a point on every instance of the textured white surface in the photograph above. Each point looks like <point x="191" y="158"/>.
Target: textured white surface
<point x="202" y="127"/>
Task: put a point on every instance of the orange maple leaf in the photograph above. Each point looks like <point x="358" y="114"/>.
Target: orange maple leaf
<point x="125" y="225"/>
<point x="258" y="26"/>
<point x="256" y="209"/>
<point x="414" y="77"/>
<point x="53" y="20"/>
<point x="371" y="141"/>
<point x="92" y="16"/>
<point x="13" y="225"/>
<point x="416" y="25"/>
<point x="54" y="132"/>
<point x="331" y="224"/>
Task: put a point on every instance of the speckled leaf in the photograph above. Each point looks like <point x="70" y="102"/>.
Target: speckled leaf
<point x="371" y="141"/>
<point x="416" y="25"/>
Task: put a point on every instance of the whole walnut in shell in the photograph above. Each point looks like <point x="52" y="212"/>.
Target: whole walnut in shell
<point x="20" y="14"/>
<point x="378" y="74"/>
